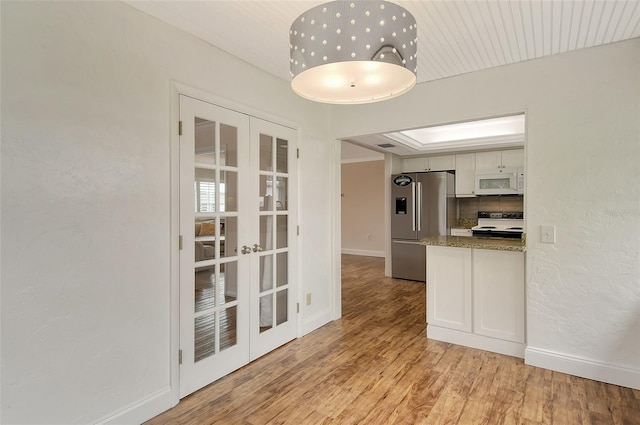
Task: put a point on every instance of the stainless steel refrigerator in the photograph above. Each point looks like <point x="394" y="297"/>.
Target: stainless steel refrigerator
<point x="423" y="204"/>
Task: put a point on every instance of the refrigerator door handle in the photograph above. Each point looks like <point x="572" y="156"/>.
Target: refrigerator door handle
<point x="419" y="206"/>
<point x="413" y="207"/>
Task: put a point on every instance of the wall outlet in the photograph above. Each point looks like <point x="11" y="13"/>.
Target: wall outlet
<point x="548" y="234"/>
<point x="309" y="299"/>
<point x="369" y="236"/>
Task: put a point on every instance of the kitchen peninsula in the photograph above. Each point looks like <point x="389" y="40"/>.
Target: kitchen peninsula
<point x="475" y="292"/>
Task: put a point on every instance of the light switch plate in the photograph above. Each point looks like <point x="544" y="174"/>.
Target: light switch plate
<point x="548" y="234"/>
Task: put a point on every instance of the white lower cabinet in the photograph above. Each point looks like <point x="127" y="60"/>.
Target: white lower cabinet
<point x="475" y="297"/>
<point x="498" y="294"/>
<point x="449" y="287"/>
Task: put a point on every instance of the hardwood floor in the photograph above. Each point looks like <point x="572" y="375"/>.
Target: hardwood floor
<point x="375" y="366"/>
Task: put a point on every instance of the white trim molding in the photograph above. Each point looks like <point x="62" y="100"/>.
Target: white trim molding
<point x="362" y="159"/>
<point x="364" y="252"/>
<point x="584" y="368"/>
<point x="142" y="410"/>
<point x="336" y="227"/>
<point x="316" y="321"/>
<point x="472" y="340"/>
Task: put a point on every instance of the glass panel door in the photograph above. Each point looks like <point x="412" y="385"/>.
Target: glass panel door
<point x="214" y="284"/>
<point x="275" y="321"/>
<point x="237" y="225"/>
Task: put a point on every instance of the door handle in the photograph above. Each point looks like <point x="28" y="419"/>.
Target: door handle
<point x="245" y="250"/>
<point x="256" y="248"/>
<point x="419" y="206"/>
<point x="413" y="206"/>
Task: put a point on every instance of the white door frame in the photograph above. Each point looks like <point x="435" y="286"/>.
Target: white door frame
<point x="336" y="255"/>
<point x="178" y="89"/>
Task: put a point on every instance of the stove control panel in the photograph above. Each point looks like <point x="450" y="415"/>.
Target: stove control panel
<point x="501" y="215"/>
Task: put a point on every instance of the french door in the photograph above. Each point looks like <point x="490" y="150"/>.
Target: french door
<point x="237" y="215"/>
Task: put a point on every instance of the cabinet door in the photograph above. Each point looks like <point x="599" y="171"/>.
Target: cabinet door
<point x="414" y="164"/>
<point x="488" y="160"/>
<point x="442" y="163"/>
<point x="498" y="294"/>
<point x="513" y="158"/>
<point x="449" y="287"/>
<point x="465" y="174"/>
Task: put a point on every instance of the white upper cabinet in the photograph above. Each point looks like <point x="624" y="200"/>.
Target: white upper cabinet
<point x="465" y="175"/>
<point x="442" y="163"/>
<point x="429" y="163"/>
<point x="513" y="158"/>
<point x="414" y="164"/>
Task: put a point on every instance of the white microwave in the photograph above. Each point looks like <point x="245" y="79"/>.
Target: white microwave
<point x="503" y="181"/>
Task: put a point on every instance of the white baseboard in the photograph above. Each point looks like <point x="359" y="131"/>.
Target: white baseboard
<point x="480" y="342"/>
<point x="584" y="368"/>
<point x="363" y="252"/>
<point x="142" y="410"/>
<point x="317" y="321"/>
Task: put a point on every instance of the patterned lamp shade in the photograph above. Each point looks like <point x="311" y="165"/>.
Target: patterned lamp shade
<point x="349" y="52"/>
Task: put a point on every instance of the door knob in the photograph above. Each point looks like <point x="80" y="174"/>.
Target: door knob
<point x="256" y="248"/>
<point x="245" y="249"/>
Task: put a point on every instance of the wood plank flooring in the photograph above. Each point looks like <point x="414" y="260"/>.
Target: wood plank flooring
<point x="375" y="366"/>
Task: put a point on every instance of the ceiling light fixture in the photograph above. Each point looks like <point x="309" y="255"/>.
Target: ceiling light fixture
<point x="347" y="52"/>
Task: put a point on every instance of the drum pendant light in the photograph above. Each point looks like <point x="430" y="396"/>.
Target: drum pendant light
<point x="350" y="52"/>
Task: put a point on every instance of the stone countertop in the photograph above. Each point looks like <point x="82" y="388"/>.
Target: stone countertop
<point x="466" y="223"/>
<point x="516" y="245"/>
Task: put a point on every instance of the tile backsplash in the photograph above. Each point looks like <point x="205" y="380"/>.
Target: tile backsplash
<point x="468" y="207"/>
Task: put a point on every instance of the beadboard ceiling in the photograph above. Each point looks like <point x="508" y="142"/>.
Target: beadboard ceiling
<point x="454" y="36"/>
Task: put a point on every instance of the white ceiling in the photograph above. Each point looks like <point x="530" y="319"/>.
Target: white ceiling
<point x="454" y="37"/>
<point x="355" y="153"/>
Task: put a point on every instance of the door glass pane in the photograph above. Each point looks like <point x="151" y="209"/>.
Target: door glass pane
<point x="205" y="240"/>
<point x="228" y="191"/>
<point x="266" y="312"/>
<point x="204" y="188"/>
<point x="228" y="328"/>
<point x="229" y="236"/>
<point x="281" y="306"/>
<point x="281" y="236"/>
<point x="205" y="288"/>
<point x="281" y="194"/>
<point x="205" y="336"/>
<point x="266" y="272"/>
<point x="266" y="193"/>
<point x="281" y="269"/>
<point x="266" y="153"/>
<point x="228" y="282"/>
<point x="281" y="155"/>
<point x="228" y="145"/>
<point x="205" y="134"/>
<point x="266" y="232"/>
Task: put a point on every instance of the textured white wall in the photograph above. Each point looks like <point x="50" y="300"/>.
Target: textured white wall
<point x="85" y="266"/>
<point x="86" y="99"/>
<point x="582" y="164"/>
